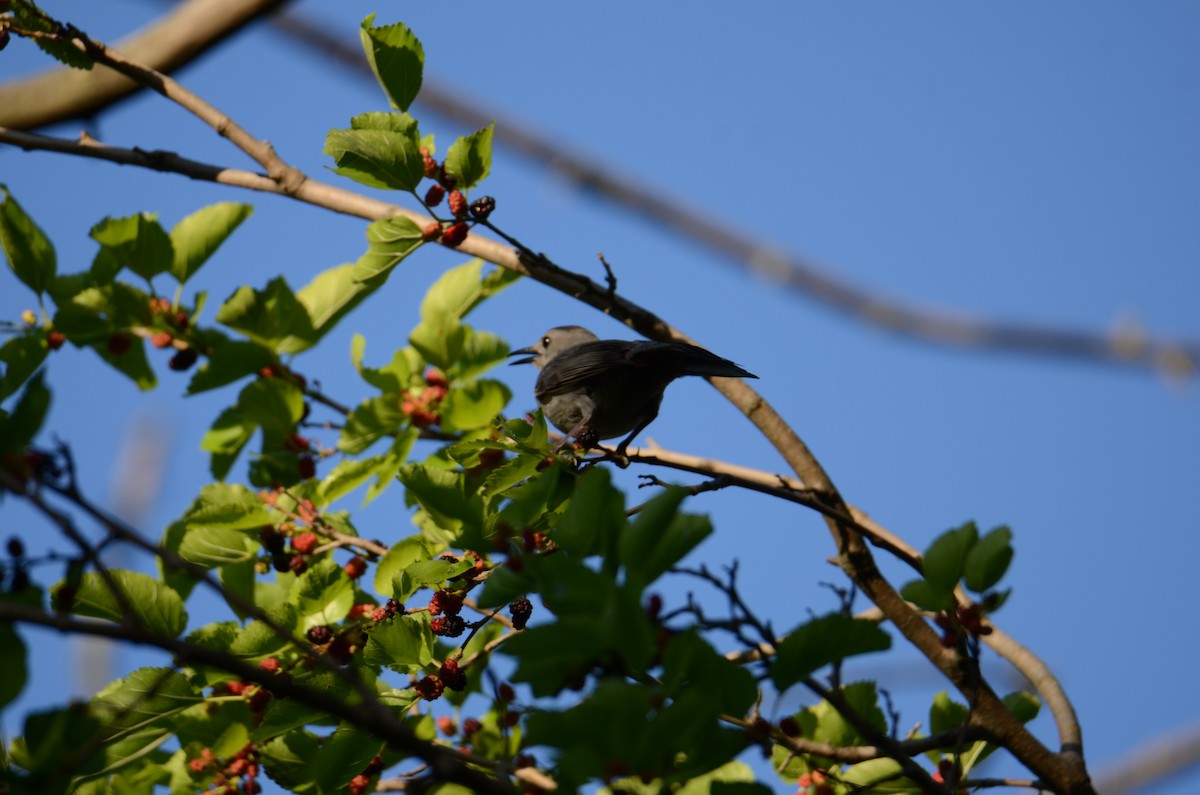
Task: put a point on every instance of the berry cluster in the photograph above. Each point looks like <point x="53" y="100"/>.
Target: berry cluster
<point x="390" y="609"/>
<point x="421" y="407"/>
<point x="814" y="783"/>
<point x="444" y="188"/>
<point x="256" y="696"/>
<point x="243" y="768"/>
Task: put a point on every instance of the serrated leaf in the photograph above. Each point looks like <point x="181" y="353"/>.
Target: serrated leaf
<point x="469" y="158"/>
<point x="29" y="17"/>
<point x="225" y="439"/>
<point x="659" y="538"/>
<point x="148" y="603"/>
<point x="435" y="572"/>
<point x="332" y="294"/>
<point x="988" y="560"/>
<point x="439" y="341"/>
<point x="595" y="519"/>
<point x="473" y="404"/>
<point x="403" y="643"/>
<point x="397" y="59"/>
<point x="21" y="425"/>
<point x="272" y="317"/>
<point x="28" y="251"/>
<point x="399" y="556"/>
<point x="258" y="640"/>
<point x="22" y="356"/>
<point x="946" y="557"/>
<point x="229" y="361"/>
<point x="197" y="237"/>
<point x="343" y="756"/>
<point x="137" y="242"/>
<point x="389" y="241"/>
<point x="376" y="158"/>
<point x="369" y="422"/>
<point x="227" y="507"/>
<point x="323" y="595"/>
<point x="822" y="641"/>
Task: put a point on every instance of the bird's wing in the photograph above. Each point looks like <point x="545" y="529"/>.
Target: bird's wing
<point x="577" y="367"/>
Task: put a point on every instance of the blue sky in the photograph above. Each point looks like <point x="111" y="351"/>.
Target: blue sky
<point x="1026" y="162"/>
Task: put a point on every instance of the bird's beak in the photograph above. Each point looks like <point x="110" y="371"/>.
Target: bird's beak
<point x="530" y="352"/>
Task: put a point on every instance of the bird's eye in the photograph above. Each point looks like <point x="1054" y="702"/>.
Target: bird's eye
<point x="546" y="341"/>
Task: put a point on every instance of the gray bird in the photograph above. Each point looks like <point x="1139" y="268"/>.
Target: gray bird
<point x="593" y="389"/>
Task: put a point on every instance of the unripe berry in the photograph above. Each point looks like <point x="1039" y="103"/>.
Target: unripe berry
<point x="431" y="167"/>
<point x="270" y="665"/>
<point x="359" y="784"/>
<point x="435" y="377"/>
<point x="305" y="543"/>
<point x="457" y="204"/>
<point x="162" y="339"/>
<point x="355" y="567"/>
<point x="447" y="726"/>
<point x="431" y="232"/>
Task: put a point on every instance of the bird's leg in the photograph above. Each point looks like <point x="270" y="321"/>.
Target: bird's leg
<point x="619" y="457"/>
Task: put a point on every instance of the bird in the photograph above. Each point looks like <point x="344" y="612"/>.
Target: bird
<point x="592" y="389"/>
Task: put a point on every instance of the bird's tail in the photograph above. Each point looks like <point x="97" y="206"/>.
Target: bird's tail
<point x="697" y="361"/>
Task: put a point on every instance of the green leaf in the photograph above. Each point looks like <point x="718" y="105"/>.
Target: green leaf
<point x="988" y="560"/>
<point x="289" y="759"/>
<point x="394" y="122"/>
<point x="403" y="643"/>
<point x="945" y="713"/>
<point x="344" y="755"/>
<point x="229" y="361"/>
<point x="439" y="341"/>
<point x="399" y="557"/>
<point x="389" y="241"/>
<point x="13" y="663"/>
<point x="137" y="242"/>
<point x="225" y="440"/>
<point x="923" y="596"/>
<point x="29" y="17"/>
<point x="595" y="519"/>
<point x="459" y="290"/>
<point x="332" y="294"/>
<point x="397" y="59"/>
<point x="18" y="428"/>
<point x="1023" y="705"/>
<point x="470" y="158"/>
<point x="390" y="463"/>
<point x="393" y="377"/>
<point x="197" y="237"/>
<point x="224" y="506"/>
<point x="322" y="595"/>
<point x="376" y="158"/>
<point x="145" y="696"/>
<point x="444" y="497"/>
<point x="947" y="556"/>
<point x="22" y="355"/>
<point x="435" y="572"/>
<point x="473" y="404"/>
<point x="369" y="422"/>
<point x="132" y="363"/>
<point x="150" y="604"/>
<point x="47" y="733"/>
<point x="215" y="546"/>
<point x="29" y="252"/>
<point x="273" y="403"/>
<point x="344" y="478"/>
<point x="822" y="641"/>
<point x="482" y="351"/>
<point x="272" y="317"/>
<point x="258" y="640"/>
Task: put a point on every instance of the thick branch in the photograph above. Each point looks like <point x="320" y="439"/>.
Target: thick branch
<point x="183" y="33"/>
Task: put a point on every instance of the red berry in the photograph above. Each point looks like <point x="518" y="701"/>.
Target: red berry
<point x="380" y="614"/>
<point x="447" y="726"/>
<point x="431" y="232"/>
<point x="355" y="567"/>
<point x="305" y="543"/>
<point x="198" y="765"/>
<point x="435" y="377"/>
<point x="470" y="726"/>
<point x="457" y="204"/>
<point x="505" y="692"/>
<point x="452" y="676"/>
<point x="423" y="418"/>
<point x="251" y="787"/>
<point x="55" y="340"/>
<point x="270" y="665"/>
<point x="433" y="196"/>
<point x="183" y="360"/>
<point x="297" y="565"/>
<point x="162" y="339"/>
<point x="359" y="784"/>
<point x="297" y="443"/>
<point x="236" y="768"/>
<point x="306" y="467"/>
<point x="454" y="235"/>
<point x="445" y="602"/>
<point x="118" y="343"/>
<point x="431" y="167"/>
<point x="430" y="688"/>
